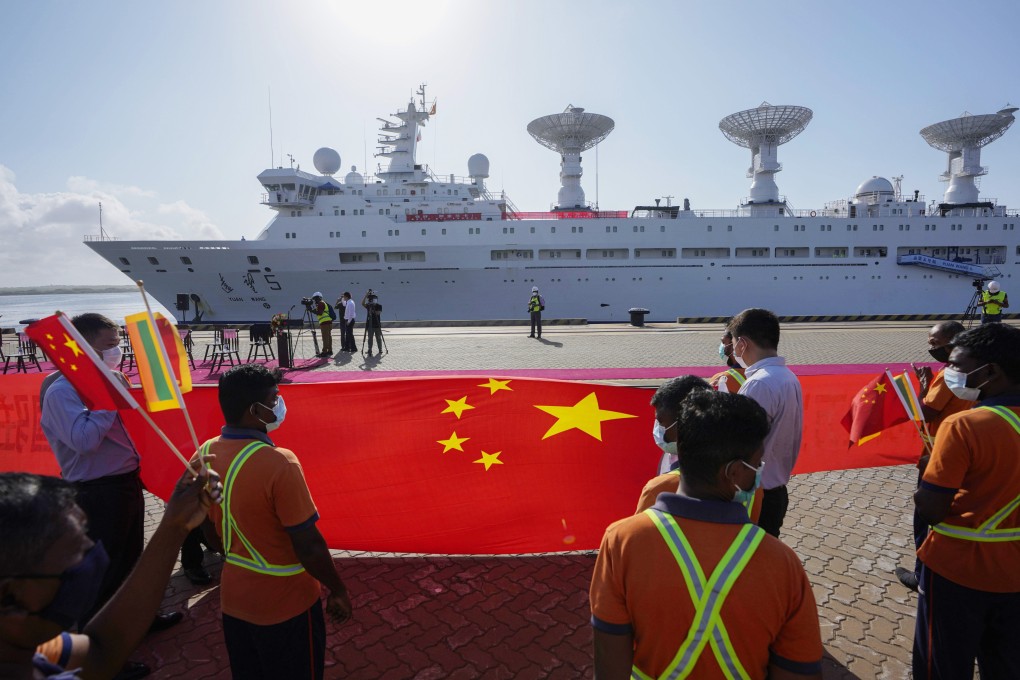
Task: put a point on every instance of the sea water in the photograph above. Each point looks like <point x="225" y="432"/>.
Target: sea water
<point x="15" y="309"/>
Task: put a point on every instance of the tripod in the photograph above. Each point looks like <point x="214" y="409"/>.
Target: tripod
<point x="373" y="326"/>
<point x="974" y="308"/>
<point x="307" y="324"/>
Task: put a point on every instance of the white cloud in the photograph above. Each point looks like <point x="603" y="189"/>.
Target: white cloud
<point x="42" y="234"/>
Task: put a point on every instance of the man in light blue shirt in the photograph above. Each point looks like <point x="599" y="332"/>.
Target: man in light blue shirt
<point x="775" y="387"/>
<point x="96" y="454"/>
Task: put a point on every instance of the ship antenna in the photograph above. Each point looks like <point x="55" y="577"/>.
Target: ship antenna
<point x="102" y="234"/>
<point x="271" y="152"/>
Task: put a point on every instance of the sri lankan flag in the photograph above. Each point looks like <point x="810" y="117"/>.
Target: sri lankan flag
<point x="158" y="375"/>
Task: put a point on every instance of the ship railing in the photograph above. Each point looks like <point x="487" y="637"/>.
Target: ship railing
<point x="567" y="215"/>
<point x="91" y="238"/>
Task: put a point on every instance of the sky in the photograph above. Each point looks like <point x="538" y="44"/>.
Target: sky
<point x="161" y="111"/>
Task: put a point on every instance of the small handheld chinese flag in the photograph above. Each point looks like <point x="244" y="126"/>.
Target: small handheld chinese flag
<point x="97" y="385"/>
<point x="874" y="409"/>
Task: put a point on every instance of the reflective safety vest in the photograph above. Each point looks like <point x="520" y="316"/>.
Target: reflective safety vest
<point x="749" y="505"/>
<point x="735" y="374"/>
<point x="255" y="562"/>
<point x="535" y="304"/>
<point x="708" y="597"/>
<point x="989" y="531"/>
<point x="994" y="301"/>
<point x="325" y="317"/>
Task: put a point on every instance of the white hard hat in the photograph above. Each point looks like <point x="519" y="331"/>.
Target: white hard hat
<point x="534" y="289"/>
<point x="316" y="294"/>
<point x="993" y="286"/>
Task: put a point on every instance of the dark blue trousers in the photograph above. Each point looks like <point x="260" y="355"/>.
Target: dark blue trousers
<point x="956" y="625"/>
<point x="294" y="649"/>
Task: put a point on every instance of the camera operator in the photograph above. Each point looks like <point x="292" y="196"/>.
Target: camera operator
<point x="372" y="324"/>
<point x="993" y="301"/>
<point x="324" y="314"/>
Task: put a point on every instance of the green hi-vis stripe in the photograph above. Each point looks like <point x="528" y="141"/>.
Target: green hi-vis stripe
<point x="838" y="318"/>
<point x="158" y="372"/>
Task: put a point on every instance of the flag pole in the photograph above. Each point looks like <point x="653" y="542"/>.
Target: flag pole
<point x="166" y="362"/>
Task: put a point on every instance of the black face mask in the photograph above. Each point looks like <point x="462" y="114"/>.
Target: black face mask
<point x="940" y="354"/>
<point x="79" y="588"/>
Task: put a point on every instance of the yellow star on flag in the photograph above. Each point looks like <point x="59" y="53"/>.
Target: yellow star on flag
<point x="457" y="407"/>
<point x="880" y="388"/>
<point x="489" y="459"/>
<point x="72" y="345"/>
<point x="585" y="415"/>
<point x="496" y="385"/>
<point x="454" y="442"/>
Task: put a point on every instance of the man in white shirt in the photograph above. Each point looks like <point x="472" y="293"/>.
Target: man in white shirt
<point x="775" y="387"/>
<point x="346" y="303"/>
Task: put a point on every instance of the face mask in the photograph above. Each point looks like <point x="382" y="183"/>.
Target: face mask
<point x="112" y="356"/>
<point x="744" y="497"/>
<point x="940" y="354"/>
<point x="280" y="411"/>
<point x="659" y="434"/>
<point x="957" y="383"/>
<point x="740" y="359"/>
<point x="79" y="588"/>
<point x="723" y="354"/>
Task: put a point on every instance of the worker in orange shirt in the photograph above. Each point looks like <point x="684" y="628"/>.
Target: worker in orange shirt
<point x="647" y="624"/>
<point x="969" y="592"/>
<point x="732" y="378"/>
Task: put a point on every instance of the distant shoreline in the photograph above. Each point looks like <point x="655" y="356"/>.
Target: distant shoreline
<point x="66" y="290"/>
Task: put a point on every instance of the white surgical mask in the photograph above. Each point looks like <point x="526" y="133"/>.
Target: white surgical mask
<point x="740" y="359"/>
<point x="112" y="357"/>
<point x="280" y="411"/>
<point x="659" y="434"/>
<point x="956" y="381"/>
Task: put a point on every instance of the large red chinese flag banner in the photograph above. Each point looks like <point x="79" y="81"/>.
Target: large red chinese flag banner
<point x="459" y="465"/>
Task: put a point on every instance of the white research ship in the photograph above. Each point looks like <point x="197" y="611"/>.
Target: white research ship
<point x="445" y="248"/>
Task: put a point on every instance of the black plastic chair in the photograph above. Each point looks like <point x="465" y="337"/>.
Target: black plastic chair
<point x="228" y="347"/>
<point x="24" y="356"/>
<point x="259" y="336"/>
<point x="127" y="351"/>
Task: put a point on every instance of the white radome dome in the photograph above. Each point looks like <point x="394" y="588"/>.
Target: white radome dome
<point x="478" y="166"/>
<point x="876" y="186"/>
<point x="354" y="177"/>
<point x="326" y="161"/>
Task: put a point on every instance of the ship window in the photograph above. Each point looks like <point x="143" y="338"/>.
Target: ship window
<point x="343" y="212"/>
<point x="380" y="211"/>
<point x="387" y="211"/>
<point x="444" y="232"/>
<point x="855" y="227"/>
<point x="422" y="232"/>
<point x="184" y="260"/>
<point x="124" y="260"/>
<point x="336" y="213"/>
<point x="573" y="230"/>
<point x="710" y="227"/>
<point x="397" y="232"/>
<point x="662" y="228"/>
<point x="532" y="230"/>
<point x="504" y="230"/>
<point x="363" y="234"/>
<point x="253" y="259"/>
<point x="293" y="213"/>
<point x="511" y="230"/>
<point x="729" y="227"/>
<point x="299" y="213"/>
<point x="389" y="233"/>
<point x="552" y="230"/>
<point x="607" y="229"/>
<point x="153" y="260"/>
<point x="776" y="228"/>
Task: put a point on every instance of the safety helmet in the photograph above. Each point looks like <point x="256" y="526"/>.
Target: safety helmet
<point x="993" y="286"/>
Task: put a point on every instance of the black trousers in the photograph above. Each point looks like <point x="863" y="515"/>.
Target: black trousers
<point x="536" y="323"/>
<point x="774" y="503"/>
<point x="294" y="649"/>
<point x="116" y="513"/>
<point x="192" y="555"/>
<point x="956" y="625"/>
<point x="347" y="343"/>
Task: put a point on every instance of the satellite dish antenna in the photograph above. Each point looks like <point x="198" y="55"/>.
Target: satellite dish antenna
<point x="962" y="138"/>
<point x="569" y="133"/>
<point x="762" y="130"/>
<point x="326" y="161"/>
